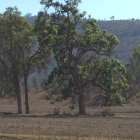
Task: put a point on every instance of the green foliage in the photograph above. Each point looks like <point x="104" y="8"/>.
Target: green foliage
<point x="16" y="37"/>
<point x="82" y="52"/>
<point x="112" y="80"/>
<point x="109" y="76"/>
<point x="17" y="44"/>
<point x="133" y="67"/>
<point x="6" y="86"/>
<point x="107" y="113"/>
<point x="72" y="106"/>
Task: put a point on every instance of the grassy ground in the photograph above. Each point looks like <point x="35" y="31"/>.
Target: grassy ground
<point x="32" y="137"/>
<point x="42" y="126"/>
<point x="82" y="126"/>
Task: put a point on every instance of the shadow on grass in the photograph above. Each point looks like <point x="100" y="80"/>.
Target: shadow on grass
<point x="12" y="115"/>
<point x="9" y="138"/>
<point x="103" y="113"/>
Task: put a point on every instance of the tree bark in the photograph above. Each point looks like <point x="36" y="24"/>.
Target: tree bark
<point x="27" y="110"/>
<point x="82" y="104"/>
<point x="17" y="89"/>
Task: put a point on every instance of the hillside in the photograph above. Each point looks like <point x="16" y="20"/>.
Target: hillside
<point x="128" y="32"/>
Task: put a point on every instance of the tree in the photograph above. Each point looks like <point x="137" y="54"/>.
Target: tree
<point x="78" y="44"/>
<point x="133" y="67"/>
<point x="111" y="80"/>
<point x="39" y="57"/>
<point x="16" y="38"/>
<point x="18" y="53"/>
<point x="112" y="17"/>
<point x="9" y="48"/>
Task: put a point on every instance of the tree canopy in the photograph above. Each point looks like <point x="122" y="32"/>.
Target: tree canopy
<point x="82" y="52"/>
<point x="18" y="41"/>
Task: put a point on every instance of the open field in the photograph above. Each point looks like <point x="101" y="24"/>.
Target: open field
<point x="41" y="125"/>
<point x="32" y="137"/>
<point x="82" y="126"/>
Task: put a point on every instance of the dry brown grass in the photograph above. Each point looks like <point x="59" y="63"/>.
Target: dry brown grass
<point x="37" y="126"/>
<point x="42" y="137"/>
<point x="71" y="126"/>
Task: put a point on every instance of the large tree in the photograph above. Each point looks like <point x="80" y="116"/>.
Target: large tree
<point x="16" y="35"/>
<point x="19" y="52"/>
<point x="81" y="50"/>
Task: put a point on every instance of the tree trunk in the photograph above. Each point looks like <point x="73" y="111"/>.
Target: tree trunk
<point x="27" y="110"/>
<point x="82" y="104"/>
<point x="17" y="90"/>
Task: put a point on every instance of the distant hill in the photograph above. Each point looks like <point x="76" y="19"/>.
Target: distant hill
<point x="128" y="32"/>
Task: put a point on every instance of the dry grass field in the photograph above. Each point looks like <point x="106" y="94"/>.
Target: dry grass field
<point x="41" y="125"/>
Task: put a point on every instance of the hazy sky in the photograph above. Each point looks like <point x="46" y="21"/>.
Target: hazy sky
<point x="99" y="9"/>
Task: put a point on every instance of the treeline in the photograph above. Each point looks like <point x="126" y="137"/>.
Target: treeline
<point x="84" y="57"/>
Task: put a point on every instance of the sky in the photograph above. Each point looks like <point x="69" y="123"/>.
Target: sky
<point x="98" y="9"/>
